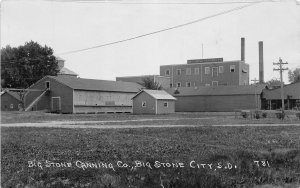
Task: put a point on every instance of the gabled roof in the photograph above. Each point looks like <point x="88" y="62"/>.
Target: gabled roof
<point x="97" y="85"/>
<point x="157" y="94"/>
<point x="12" y="93"/>
<point x="66" y="71"/>
<point x="292" y="90"/>
<point x="218" y="90"/>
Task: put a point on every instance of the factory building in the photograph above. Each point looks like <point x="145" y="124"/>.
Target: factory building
<point x="68" y="94"/>
<point x="217" y="99"/>
<point x="208" y="72"/>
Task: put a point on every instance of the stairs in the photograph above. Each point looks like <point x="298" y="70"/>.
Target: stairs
<point x="36" y="100"/>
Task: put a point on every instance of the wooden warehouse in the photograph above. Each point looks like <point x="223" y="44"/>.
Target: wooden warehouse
<point x="68" y="94"/>
<point x="10" y="101"/>
<point x="217" y="98"/>
<point x="153" y="102"/>
<point x="291" y="92"/>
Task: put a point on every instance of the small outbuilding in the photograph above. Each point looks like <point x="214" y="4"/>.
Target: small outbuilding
<point x="153" y="102"/>
<point x="10" y="101"/>
<point x="291" y="94"/>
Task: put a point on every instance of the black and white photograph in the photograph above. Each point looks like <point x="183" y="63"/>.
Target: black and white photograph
<point x="150" y="93"/>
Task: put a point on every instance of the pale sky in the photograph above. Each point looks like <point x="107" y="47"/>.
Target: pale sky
<point x="67" y="26"/>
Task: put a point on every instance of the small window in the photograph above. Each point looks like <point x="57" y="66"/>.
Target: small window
<point x="221" y="69"/>
<point x="47" y="84"/>
<point x="178" y="84"/>
<point x="214" y="83"/>
<point x="167" y="73"/>
<point x="11" y="106"/>
<point x="232" y="68"/>
<point x="178" y="71"/>
<point x="171" y="85"/>
<point x="196" y="71"/>
<point x="188" y="84"/>
<point x="144" y="104"/>
<point x="165" y="104"/>
<point x="207" y="70"/>
<point x="188" y="71"/>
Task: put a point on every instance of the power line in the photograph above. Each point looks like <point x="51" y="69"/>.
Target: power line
<point x="168" y="3"/>
<point x="161" y="3"/>
<point x="162" y="30"/>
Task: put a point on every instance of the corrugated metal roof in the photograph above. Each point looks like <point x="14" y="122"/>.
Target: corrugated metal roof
<point x="97" y="85"/>
<point x="67" y="71"/>
<point x="157" y="94"/>
<point x="217" y="90"/>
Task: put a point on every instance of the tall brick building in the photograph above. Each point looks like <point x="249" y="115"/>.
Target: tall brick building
<point x="208" y="72"/>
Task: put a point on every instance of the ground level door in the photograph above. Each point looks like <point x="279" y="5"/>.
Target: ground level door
<point x="56" y="104"/>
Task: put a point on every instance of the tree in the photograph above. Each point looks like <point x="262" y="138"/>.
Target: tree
<point x="294" y="75"/>
<point x="24" y="65"/>
<point x="149" y="83"/>
<point x="273" y="83"/>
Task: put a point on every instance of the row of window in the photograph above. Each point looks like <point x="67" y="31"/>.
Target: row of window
<point x="207" y="70"/>
<point x="144" y="104"/>
<point x="188" y="84"/>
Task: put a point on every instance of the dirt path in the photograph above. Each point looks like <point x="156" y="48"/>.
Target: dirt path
<point x="100" y="124"/>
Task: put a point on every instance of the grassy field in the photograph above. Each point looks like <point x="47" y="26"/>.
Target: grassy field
<point x="151" y="157"/>
<point x="204" y="118"/>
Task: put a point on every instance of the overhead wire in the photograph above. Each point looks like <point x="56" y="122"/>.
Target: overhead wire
<point x="162" y="30"/>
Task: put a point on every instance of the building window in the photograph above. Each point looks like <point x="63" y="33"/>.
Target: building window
<point x="188" y="71"/>
<point x="207" y="84"/>
<point x="171" y="85"/>
<point x="144" y="104"/>
<point x="196" y="70"/>
<point x="232" y="68"/>
<point x="47" y="84"/>
<point x="11" y="106"/>
<point x="178" y="84"/>
<point x="188" y="84"/>
<point x="207" y="70"/>
<point x="178" y="71"/>
<point x="165" y="104"/>
<point x="214" y="83"/>
<point x="221" y="69"/>
<point x="167" y="73"/>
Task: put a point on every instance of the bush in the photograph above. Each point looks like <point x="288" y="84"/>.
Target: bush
<point x="264" y="114"/>
<point x="256" y="114"/>
<point x="280" y="115"/>
<point x="244" y="114"/>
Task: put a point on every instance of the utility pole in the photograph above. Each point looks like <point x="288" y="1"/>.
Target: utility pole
<point x="256" y="101"/>
<point x="281" y="69"/>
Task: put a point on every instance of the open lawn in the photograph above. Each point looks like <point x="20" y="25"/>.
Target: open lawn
<point x="203" y="156"/>
<point x="197" y="118"/>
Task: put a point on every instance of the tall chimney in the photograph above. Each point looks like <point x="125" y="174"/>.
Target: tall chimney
<point x="242" y="49"/>
<point x="261" y="62"/>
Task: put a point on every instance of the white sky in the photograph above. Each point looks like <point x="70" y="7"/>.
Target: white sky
<point x="67" y="26"/>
